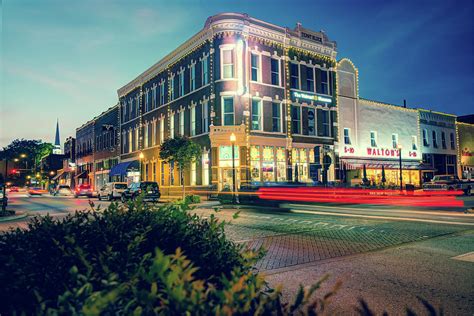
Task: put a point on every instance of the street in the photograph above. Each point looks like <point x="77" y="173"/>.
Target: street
<point x="388" y="255"/>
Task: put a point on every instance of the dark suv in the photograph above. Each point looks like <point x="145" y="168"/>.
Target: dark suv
<point x="150" y="190"/>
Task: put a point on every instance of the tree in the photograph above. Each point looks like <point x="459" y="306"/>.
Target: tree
<point x="180" y="151"/>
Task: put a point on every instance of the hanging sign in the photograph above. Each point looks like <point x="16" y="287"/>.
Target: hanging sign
<point x="312" y="97"/>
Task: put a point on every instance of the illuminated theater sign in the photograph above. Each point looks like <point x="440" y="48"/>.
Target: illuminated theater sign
<point x="311" y="97"/>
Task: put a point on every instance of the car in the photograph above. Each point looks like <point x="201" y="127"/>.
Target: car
<point x="63" y="190"/>
<point x="449" y="183"/>
<point x="35" y="191"/>
<point x="150" y="190"/>
<point x="14" y="189"/>
<point x="111" y="191"/>
<point x="83" y="190"/>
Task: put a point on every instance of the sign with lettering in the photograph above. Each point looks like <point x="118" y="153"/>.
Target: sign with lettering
<point x="312" y="97"/>
<point x="311" y="37"/>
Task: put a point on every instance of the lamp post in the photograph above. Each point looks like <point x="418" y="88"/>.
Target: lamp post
<point x="232" y="142"/>
<point x="400" y="165"/>
<point x="141" y="156"/>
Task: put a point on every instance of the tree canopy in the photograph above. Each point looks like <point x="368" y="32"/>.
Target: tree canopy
<point x="180" y="150"/>
<point x="34" y="150"/>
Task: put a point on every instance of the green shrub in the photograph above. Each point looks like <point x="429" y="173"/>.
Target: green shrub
<point x="192" y="199"/>
<point x="35" y="263"/>
<point x="225" y="196"/>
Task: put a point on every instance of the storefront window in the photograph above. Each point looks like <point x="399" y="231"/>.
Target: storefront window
<point x="225" y="156"/>
<point x="281" y="164"/>
<point x="268" y="164"/>
<point x="255" y="163"/>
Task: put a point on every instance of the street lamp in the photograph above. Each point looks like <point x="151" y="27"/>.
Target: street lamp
<point x="141" y="156"/>
<point x="232" y="142"/>
<point x="400" y="165"/>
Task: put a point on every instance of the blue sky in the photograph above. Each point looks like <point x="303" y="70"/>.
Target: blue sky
<point x="66" y="59"/>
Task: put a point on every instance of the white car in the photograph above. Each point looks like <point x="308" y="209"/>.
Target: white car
<point x="111" y="191"/>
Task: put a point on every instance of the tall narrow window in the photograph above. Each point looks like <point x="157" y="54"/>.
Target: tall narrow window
<point x="453" y="145"/>
<point x="310" y="79"/>
<point x="228" y="112"/>
<point x="193" y="173"/>
<point x="193" y="121"/>
<point x="227" y="63"/>
<point x="181" y="84"/>
<point x="162" y="172"/>
<point x="172" y="87"/>
<point x="145" y="139"/>
<point x="394" y="140"/>
<point x="205" y="71"/>
<point x="172" y="126"/>
<point x="193" y="77"/>
<point x="347" y="136"/>
<point x="295" y="74"/>
<point x="295" y="119"/>
<point x="162" y="131"/>
<point x="153" y="133"/>
<point x="255" y="63"/>
<point x="311" y="121"/>
<point x="137" y="138"/>
<point x="435" y="139"/>
<point x="324" y="82"/>
<point x="256" y="114"/>
<point x="172" y="173"/>
<point x="325" y="120"/>
<point x="414" y="142"/>
<point x="181" y="123"/>
<point x="205" y="168"/>
<point x="147" y="101"/>
<point x="425" y="138"/>
<point x="205" y="117"/>
<point x="130" y="141"/>
<point x="275" y="69"/>
<point x="276" y="117"/>
<point x="153" y="96"/>
<point x="373" y="139"/>
<point x="443" y="140"/>
<point x="162" y="93"/>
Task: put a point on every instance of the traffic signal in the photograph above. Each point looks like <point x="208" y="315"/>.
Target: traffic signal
<point x="13" y="171"/>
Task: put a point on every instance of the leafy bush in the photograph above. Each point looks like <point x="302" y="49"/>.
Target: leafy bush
<point x="192" y="199"/>
<point x="35" y="263"/>
<point x="225" y="196"/>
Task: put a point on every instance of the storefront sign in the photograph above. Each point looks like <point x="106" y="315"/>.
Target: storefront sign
<point x="311" y="37"/>
<point x="381" y="152"/>
<point x="313" y="97"/>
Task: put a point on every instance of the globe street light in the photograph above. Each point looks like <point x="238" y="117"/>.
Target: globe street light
<point x="232" y="142"/>
<point x="400" y="163"/>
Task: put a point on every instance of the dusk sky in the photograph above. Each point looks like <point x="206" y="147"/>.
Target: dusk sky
<point x="66" y="59"/>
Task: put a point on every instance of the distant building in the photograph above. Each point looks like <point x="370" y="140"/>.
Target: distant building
<point x="85" y="154"/>
<point x="57" y="142"/>
<point x="466" y="119"/>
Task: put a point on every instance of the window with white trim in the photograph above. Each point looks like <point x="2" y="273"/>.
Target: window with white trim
<point x="373" y="139"/>
<point x="162" y="131"/>
<point x="181" y="84"/>
<point x="324" y="82"/>
<point x="172" y="126"/>
<point x="276" y="117"/>
<point x="256" y="114"/>
<point x="205" y="70"/>
<point x="153" y="134"/>
<point x="414" y="142"/>
<point x="255" y="67"/>
<point x="205" y="168"/>
<point x="130" y="141"/>
<point x="295" y="119"/>
<point x="453" y="144"/>
<point x="193" y="77"/>
<point x="137" y="138"/>
<point x="310" y="79"/>
<point x="294" y="76"/>
<point x="193" y="121"/>
<point x="228" y="111"/>
<point x="227" y="63"/>
<point x="162" y="172"/>
<point x="425" y="138"/>
<point x="275" y="70"/>
<point x="205" y="117"/>
<point x="147" y="101"/>
<point x="435" y="139"/>
<point x="181" y="123"/>
<point x="145" y="139"/>
<point x="394" y="140"/>
<point x="172" y="87"/>
<point x="347" y="136"/>
<point x="443" y="140"/>
<point x="325" y="120"/>
<point x="153" y="96"/>
<point x="162" y="93"/>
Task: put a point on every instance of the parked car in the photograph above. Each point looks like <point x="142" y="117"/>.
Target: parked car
<point x="36" y="191"/>
<point x="112" y="190"/>
<point x="450" y="183"/>
<point x="63" y="190"/>
<point x="83" y="190"/>
<point x="150" y="190"/>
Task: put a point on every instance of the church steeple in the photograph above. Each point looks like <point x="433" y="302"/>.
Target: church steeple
<point x="57" y="142"/>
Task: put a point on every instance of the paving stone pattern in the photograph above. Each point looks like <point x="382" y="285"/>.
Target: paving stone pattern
<point x="289" y="241"/>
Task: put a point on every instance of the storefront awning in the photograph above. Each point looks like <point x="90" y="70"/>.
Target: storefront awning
<point x="82" y="175"/>
<point x="353" y="164"/>
<point x="56" y="177"/>
<point x="122" y="168"/>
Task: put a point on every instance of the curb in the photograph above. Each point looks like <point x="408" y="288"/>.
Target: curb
<point x="13" y="217"/>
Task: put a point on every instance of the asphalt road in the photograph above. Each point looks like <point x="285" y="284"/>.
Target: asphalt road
<point x="387" y="255"/>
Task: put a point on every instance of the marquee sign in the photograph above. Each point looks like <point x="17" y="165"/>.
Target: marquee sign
<point x="312" y="97"/>
<point x="379" y="152"/>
